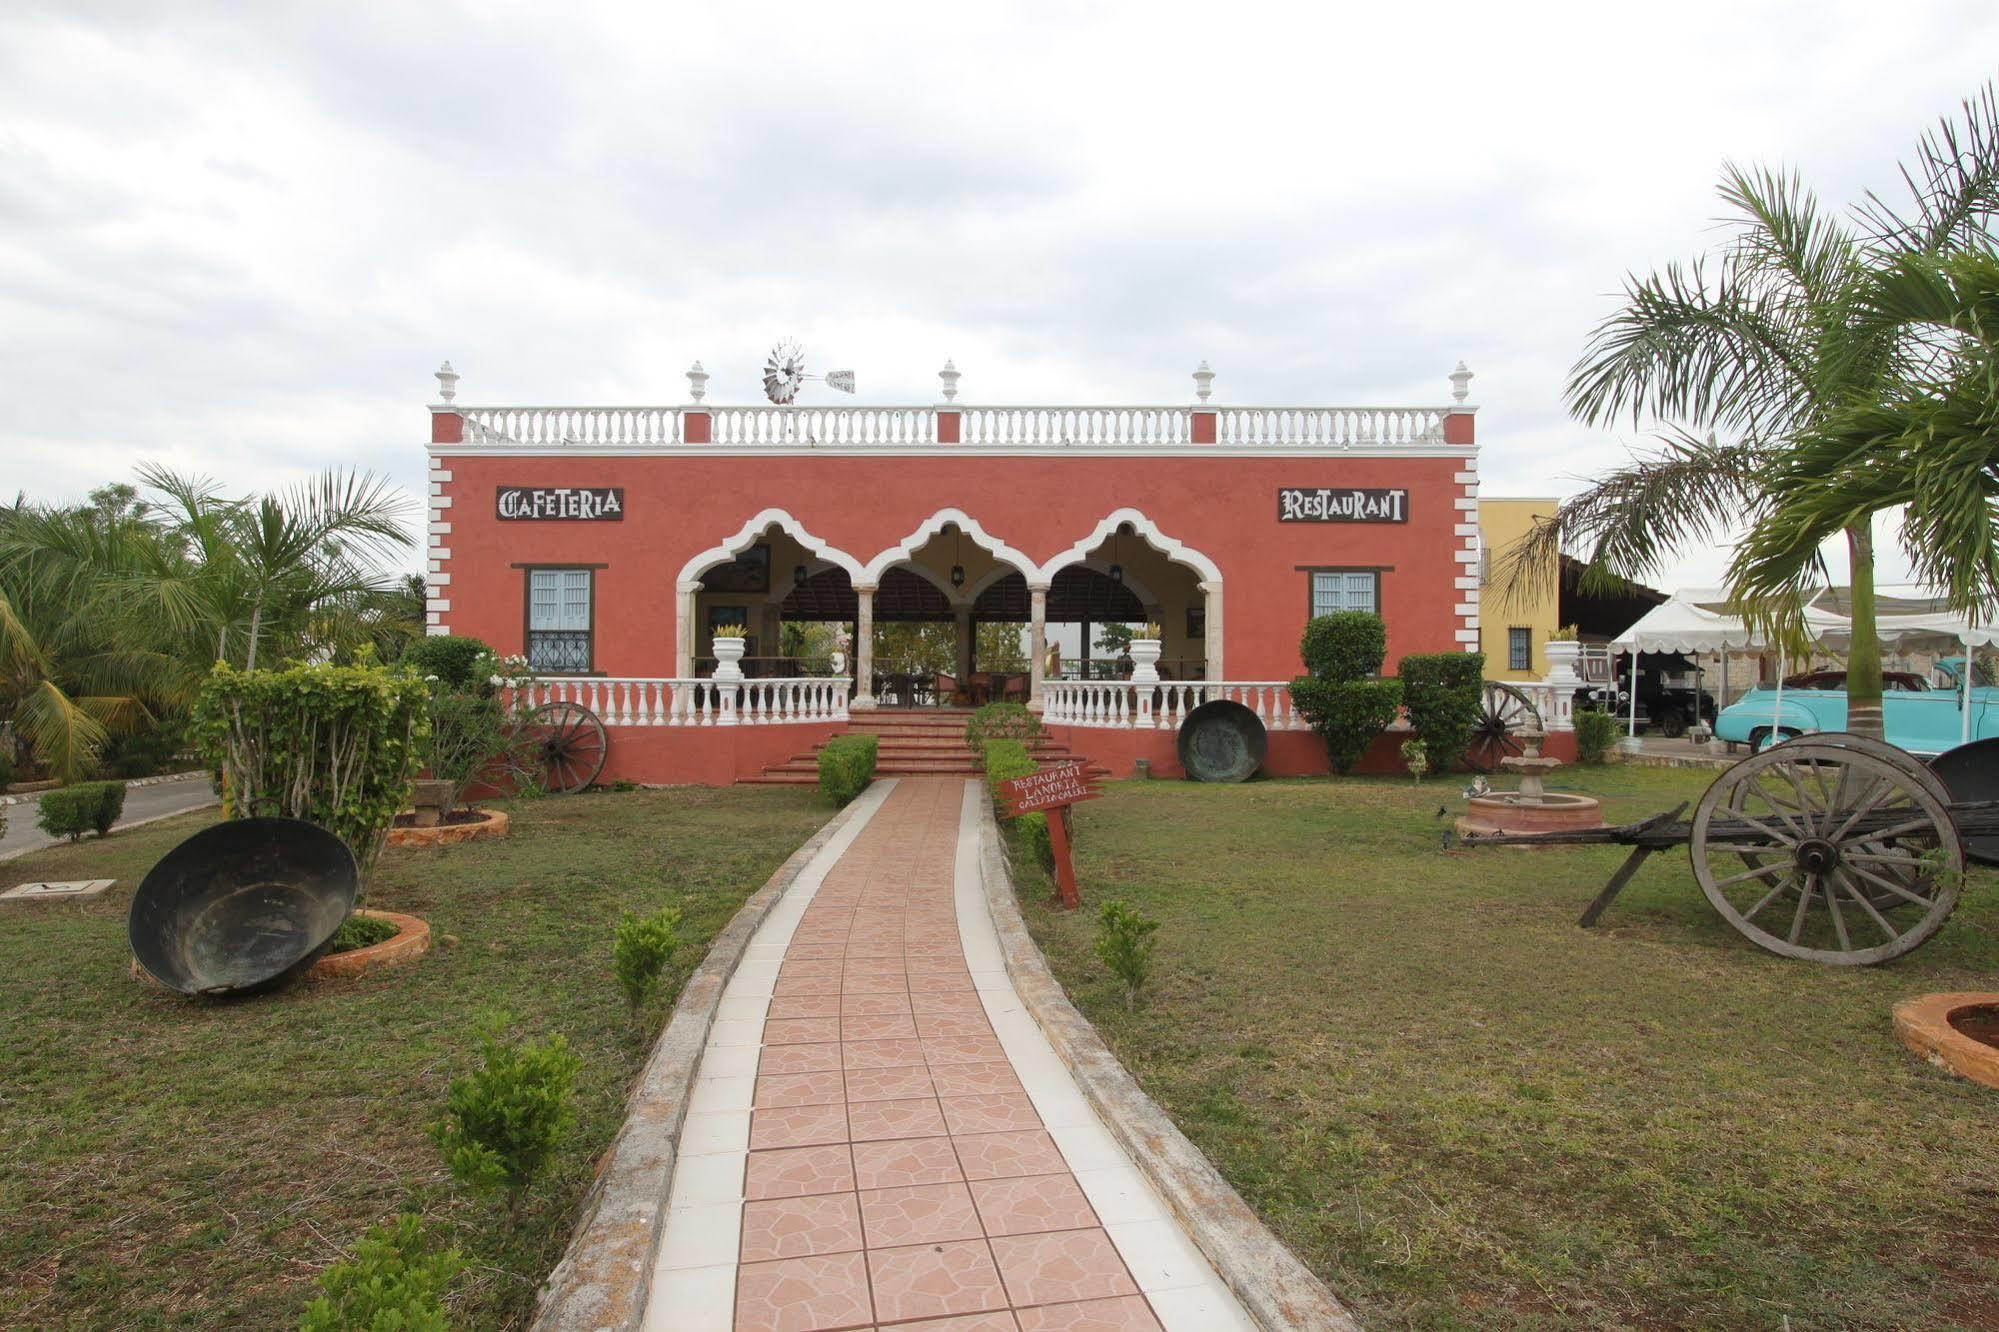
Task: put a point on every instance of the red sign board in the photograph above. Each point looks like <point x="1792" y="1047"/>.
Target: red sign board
<point x="1063" y="784"/>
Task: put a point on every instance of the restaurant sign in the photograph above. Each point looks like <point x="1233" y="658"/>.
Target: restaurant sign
<point x="589" y="504"/>
<point x="1341" y="504"/>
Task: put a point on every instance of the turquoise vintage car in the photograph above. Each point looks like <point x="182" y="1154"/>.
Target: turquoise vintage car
<point x="1920" y="719"/>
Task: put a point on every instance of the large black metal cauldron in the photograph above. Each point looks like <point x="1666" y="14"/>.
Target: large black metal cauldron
<point x="239" y="904"/>
<point x="1222" y="741"/>
<point x="1971" y="773"/>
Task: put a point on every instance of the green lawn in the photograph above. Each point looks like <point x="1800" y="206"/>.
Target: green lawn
<point x="1464" y="1112"/>
<point x="172" y="1163"/>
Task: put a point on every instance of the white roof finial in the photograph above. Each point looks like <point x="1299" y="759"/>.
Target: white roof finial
<point x="949" y="374"/>
<point x="697" y="382"/>
<point x="1204" y="381"/>
<point x="447" y="382"/>
<point x="1460" y="383"/>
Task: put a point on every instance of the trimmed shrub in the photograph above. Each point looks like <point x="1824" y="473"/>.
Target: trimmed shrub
<point x="71" y="811"/>
<point x="1346" y="645"/>
<point x="1000" y="721"/>
<point x="641" y="949"/>
<point x="1005" y="760"/>
<point x="503" y="1122"/>
<point x="846" y="766"/>
<point x="1125" y="945"/>
<point x="338" y="746"/>
<point x="459" y="661"/>
<point x="393" y="1283"/>
<point x="1442" y="690"/>
<point x="1596" y="734"/>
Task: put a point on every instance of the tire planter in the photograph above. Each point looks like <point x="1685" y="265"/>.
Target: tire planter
<point x="1924" y="1025"/>
<point x="492" y="823"/>
<point x="410" y="942"/>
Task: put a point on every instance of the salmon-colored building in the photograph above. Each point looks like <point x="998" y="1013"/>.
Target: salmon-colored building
<point x="608" y="544"/>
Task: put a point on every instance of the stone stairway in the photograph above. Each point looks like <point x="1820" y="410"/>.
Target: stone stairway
<point x="913" y="742"/>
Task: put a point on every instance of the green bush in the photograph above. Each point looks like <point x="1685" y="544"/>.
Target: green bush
<point x="459" y="661"/>
<point x="1000" y="721"/>
<point x="1442" y="690"/>
<point x="1596" y="734"/>
<point x="6" y="763"/>
<point x="1005" y="760"/>
<point x="338" y="746"/>
<point x="846" y="766"/>
<point x="71" y="811"/>
<point x="640" y="950"/>
<point x="393" y="1283"/>
<point x="144" y="752"/>
<point x="358" y="931"/>
<point x="1346" y="645"/>
<point x="1125" y="945"/>
<point x="504" y="1122"/>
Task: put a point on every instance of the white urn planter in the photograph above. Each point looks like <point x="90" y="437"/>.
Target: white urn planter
<point x="1562" y="658"/>
<point x="729" y="658"/>
<point x="1145" y="660"/>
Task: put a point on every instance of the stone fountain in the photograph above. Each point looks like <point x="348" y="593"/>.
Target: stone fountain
<point x="1532" y="808"/>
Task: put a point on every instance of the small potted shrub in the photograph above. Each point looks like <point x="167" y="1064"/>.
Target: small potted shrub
<point x="730" y="640"/>
<point x="1144" y="648"/>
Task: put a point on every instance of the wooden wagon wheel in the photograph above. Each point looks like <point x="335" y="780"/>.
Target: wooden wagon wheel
<point x="1504" y="713"/>
<point x="1833" y="828"/>
<point x="566" y="746"/>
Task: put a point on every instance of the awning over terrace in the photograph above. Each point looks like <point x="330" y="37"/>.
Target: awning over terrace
<point x="1696" y="620"/>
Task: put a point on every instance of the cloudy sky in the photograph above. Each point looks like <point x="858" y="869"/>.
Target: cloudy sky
<point x="238" y="238"/>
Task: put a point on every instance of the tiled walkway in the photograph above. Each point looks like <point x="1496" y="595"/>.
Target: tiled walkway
<point x="879" y="1135"/>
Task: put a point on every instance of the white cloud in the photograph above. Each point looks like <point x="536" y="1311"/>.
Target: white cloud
<point x="240" y="238"/>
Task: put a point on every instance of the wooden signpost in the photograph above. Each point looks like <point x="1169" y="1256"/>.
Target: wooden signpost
<point x="1051" y="791"/>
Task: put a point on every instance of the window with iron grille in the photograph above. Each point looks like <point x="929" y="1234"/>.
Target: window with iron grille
<point x="559" y="621"/>
<point x="1333" y="590"/>
<point x="1519" y="649"/>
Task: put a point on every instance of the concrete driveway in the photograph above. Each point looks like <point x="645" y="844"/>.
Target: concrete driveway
<point x="143" y="804"/>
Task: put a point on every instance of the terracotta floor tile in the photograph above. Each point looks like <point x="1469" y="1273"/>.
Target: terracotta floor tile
<point x="810" y="966"/>
<point x="906" y="1161"/>
<point x="970" y="1079"/>
<point x="799" y="1227"/>
<point x="1060" y="1266"/>
<point x="803" y="1294"/>
<point x="929" y="963"/>
<point x="992" y="1112"/>
<point x="947" y="1001"/>
<point x="859" y="1005"/>
<point x="868" y="985"/>
<point x="797" y="1126"/>
<point x="1003" y="1155"/>
<point x="941" y="982"/>
<point x="791" y="1172"/>
<point x="820" y="1088"/>
<point x="801" y="951"/>
<point x="1025" y="1204"/>
<point x="874" y="948"/>
<point x="797" y="1031"/>
<point x="939" y="1026"/>
<point x="881" y="1054"/>
<point x="878" y="1027"/>
<point x="804" y="1006"/>
<point x="963" y="1050"/>
<point x="889" y="1084"/>
<point x="818" y="1058"/>
<point x="873" y="966"/>
<point x="931" y="1280"/>
<point x="998" y="1321"/>
<point x="1128" y="1314"/>
<point x="796" y="985"/>
<point x="870" y="1121"/>
<point x="919" y="1214"/>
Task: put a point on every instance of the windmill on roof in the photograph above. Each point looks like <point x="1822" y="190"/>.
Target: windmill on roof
<point x="784" y="374"/>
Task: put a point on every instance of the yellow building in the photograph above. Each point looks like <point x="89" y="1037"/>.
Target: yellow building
<point x="1513" y="631"/>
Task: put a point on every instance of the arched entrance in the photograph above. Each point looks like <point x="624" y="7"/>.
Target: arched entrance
<point x="919" y="629"/>
<point x="1129" y="573"/>
<point x="747" y="581"/>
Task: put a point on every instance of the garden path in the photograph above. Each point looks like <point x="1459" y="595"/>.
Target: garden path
<point x="880" y="1136"/>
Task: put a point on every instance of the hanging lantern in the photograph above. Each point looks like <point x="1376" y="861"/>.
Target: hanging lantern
<point x="798" y="575"/>
<point x="1117" y="569"/>
<point x="958" y="570"/>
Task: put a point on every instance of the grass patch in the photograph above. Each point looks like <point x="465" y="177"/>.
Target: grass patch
<point x="182" y="1164"/>
<point x="361" y="932"/>
<point x="1466" y="1113"/>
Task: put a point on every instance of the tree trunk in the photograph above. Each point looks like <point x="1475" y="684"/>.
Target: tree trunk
<point x="256" y="625"/>
<point x="1863" y="656"/>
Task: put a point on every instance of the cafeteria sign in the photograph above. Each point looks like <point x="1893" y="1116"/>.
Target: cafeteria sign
<point x="1341" y="504"/>
<point x="588" y="504"/>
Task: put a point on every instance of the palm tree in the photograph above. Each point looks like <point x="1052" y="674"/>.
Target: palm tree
<point x="1745" y="355"/>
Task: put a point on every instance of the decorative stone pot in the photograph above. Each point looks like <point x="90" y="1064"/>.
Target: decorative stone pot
<point x="1145" y="660"/>
<point x="430" y="799"/>
<point x="1562" y="658"/>
<point x="729" y="657"/>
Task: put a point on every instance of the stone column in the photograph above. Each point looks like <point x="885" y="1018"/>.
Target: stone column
<point x="963" y="615"/>
<point x="686" y="631"/>
<point x="1037" y="644"/>
<point x="1212" y="602"/>
<point x="864" y="648"/>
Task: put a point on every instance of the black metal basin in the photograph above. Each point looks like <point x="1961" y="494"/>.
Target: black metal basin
<point x="1222" y="742"/>
<point x="239" y="904"/>
<point x="1971" y="772"/>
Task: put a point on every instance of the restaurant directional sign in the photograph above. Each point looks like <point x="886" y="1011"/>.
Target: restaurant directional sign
<point x="1341" y="504"/>
<point x="1051" y="791"/>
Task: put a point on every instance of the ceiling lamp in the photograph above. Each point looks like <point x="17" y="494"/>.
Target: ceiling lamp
<point x="798" y="575"/>
<point x="1117" y="570"/>
<point x="958" y="569"/>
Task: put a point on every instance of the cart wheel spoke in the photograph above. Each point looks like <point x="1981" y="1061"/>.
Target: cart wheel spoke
<point x="1853" y="891"/>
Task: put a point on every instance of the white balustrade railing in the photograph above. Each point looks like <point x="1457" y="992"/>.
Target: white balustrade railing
<point x="1163" y="706"/>
<point x="631" y="701"/>
<point x="1082" y="427"/>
